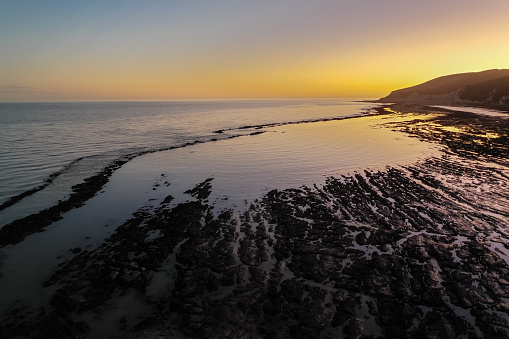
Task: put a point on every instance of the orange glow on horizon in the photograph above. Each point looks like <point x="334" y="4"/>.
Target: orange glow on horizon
<point x="223" y="51"/>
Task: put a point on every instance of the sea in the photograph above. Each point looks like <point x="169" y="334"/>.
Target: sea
<point x="242" y="148"/>
<point x="246" y="147"/>
<point x="42" y="141"/>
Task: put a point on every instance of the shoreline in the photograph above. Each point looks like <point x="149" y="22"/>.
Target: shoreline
<point x="393" y="253"/>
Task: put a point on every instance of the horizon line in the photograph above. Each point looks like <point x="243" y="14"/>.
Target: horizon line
<point x="183" y="100"/>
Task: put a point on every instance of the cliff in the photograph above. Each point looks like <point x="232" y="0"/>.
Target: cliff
<point x="487" y="88"/>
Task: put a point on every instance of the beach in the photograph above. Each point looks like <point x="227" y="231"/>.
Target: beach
<point x="392" y="224"/>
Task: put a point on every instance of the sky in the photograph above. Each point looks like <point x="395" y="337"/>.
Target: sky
<point x="240" y="49"/>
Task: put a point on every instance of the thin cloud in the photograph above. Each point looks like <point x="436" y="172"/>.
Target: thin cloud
<point x="15" y="88"/>
<point x="25" y="89"/>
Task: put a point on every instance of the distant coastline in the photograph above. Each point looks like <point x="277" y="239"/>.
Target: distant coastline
<point x="488" y="89"/>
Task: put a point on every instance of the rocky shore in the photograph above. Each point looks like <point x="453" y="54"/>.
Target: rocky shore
<point x="417" y="251"/>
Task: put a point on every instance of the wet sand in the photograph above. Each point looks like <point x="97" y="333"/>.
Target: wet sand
<point x="415" y="250"/>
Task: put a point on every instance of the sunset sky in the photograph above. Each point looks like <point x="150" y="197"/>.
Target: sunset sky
<point x="165" y="50"/>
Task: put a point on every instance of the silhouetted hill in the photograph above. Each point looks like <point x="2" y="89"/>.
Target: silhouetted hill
<point x="487" y="88"/>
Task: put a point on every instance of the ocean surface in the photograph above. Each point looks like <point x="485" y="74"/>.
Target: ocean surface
<point x="76" y="140"/>
<point x="171" y="147"/>
<point x="243" y="149"/>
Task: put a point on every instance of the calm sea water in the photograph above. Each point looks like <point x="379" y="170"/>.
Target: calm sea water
<point x="79" y="139"/>
<point x="42" y="139"/>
